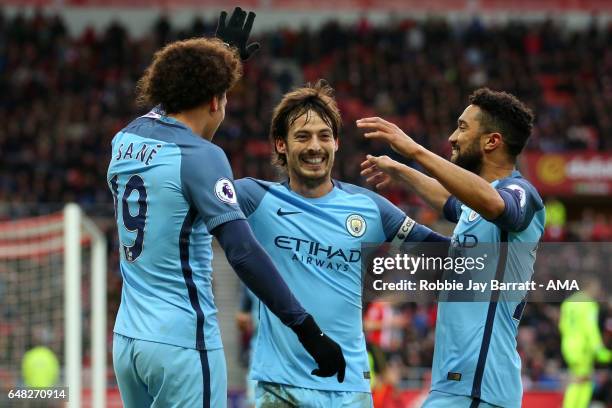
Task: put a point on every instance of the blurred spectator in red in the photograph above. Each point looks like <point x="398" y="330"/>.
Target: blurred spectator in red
<point x="602" y="231"/>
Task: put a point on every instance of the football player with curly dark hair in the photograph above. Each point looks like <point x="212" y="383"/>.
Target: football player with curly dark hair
<point x="173" y="191"/>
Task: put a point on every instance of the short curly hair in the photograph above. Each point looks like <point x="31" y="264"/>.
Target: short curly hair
<point x="504" y="113"/>
<point x="318" y="98"/>
<point x="186" y="74"/>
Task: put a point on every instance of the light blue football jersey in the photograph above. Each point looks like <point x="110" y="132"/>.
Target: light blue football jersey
<point x="316" y="245"/>
<point x="475" y="342"/>
<point x="171" y="189"/>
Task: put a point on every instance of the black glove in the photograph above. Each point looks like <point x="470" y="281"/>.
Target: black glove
<point x="325" y="351"/>
<point x="236" y="32"/>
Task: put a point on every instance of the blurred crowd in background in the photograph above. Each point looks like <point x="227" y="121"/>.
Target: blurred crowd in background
<point x="64" y="98"/>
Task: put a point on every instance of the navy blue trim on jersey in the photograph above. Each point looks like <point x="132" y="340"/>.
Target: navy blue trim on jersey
<point x="452" y="209"/>
<point x="205" y="379"/>
<point x="188" y="276"/>
<point x="488" y="330"/>
<point x="475" y="403"/>
<point x="430" y="236"/>
<point x="521" y="202"/>
<point x="518" y="311"/>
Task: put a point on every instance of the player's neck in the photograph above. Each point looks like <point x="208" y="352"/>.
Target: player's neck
<point x="194" y="120"/>
<point x="310" y="191"/>
<point x="492" y="171"/>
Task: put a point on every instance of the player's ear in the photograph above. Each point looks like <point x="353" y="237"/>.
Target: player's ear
<point x="281" y="146"/>
<point x="214" y="104"/>
<point x="336" y="143"/>
<point x="492" y="141"/>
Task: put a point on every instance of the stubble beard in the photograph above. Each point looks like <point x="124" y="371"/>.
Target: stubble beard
<point x="470" y="159"/>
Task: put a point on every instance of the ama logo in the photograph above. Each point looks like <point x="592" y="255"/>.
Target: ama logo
<point x="224" y="190"/>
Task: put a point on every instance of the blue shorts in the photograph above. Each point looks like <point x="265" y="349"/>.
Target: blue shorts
<point x="153" y="374"/>
<point x="438" y="399"/>
<point x="271" y="395"/>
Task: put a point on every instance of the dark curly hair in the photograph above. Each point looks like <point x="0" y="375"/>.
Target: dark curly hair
<point x="318" y="98"/>
<point x="186" y="74"/>
<point x="503" y="113"/>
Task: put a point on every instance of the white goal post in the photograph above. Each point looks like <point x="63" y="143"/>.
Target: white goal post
<point x="44" y="262"/>
<point x="74" y="225"/>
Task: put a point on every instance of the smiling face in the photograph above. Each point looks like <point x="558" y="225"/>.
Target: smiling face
<point x="466" y="140"/>
<point x="310" y="148"/>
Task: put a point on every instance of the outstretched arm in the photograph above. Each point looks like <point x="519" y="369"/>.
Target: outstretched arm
<point x="381" y="171"/>
<point x="256" y="270"/>
<point x="469" y="188"/>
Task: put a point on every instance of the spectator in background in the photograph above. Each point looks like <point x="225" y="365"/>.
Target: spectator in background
<point x="555" y="220"/>
<point x="64" y="84"/>
<point x="581" y="342"/>
<point x="383" y="324"/>
<point x="602" y="231"/>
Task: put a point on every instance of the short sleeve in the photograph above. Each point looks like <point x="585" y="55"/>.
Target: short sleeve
<point x="392" y="217"/>
<point x="250" y="193"/>
<point x="208" y="184"/>
<point x="452" y="209"/>
<point x="397" y="225"/>
<point x="521" y="203"/>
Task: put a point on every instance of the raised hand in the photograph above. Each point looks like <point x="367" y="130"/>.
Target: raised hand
<point x="389" y="132"/>
<point x="236" y="32"/>
<point x="380" y="171"/>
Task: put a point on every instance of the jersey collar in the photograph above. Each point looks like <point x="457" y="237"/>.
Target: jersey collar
<point x="515" y="174"/>
<point x="159" y="114"/>
<point x="171" y="121"/>
<point x="330" y="195"/>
